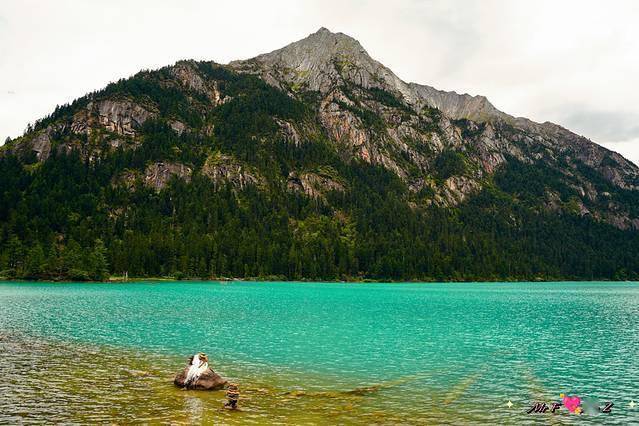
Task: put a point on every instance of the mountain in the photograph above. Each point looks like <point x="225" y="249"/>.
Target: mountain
<point x="314" y="161"/>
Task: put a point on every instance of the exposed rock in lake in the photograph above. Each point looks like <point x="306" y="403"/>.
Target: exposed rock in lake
<point x="209" y="380"/>
<point x="198" y="375"/>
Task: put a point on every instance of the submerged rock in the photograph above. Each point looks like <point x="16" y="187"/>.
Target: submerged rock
<point x="198" y="376"/>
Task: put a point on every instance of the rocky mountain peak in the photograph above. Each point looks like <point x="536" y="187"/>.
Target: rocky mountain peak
<point x="317" y="52"/>
<point x="325" y="60"/>
<point x="325" y="38"/>
<point x="321" y="62"/>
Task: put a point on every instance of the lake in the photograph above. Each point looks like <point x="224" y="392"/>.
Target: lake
<point x="319" y="353"/>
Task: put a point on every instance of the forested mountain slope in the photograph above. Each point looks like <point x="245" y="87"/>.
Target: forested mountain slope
<point x="314" y="161"/>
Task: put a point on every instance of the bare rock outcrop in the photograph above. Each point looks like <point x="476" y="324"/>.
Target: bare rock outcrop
<point x="41" y="145"/>
<point x="157" y="175"/>
<point x="178" y="126"/>
<point x="122" y="116"/>
<point x="38" y="144"/>
<point x="288" y="131"/>
<point x="222" y="168"/>
<point x="456" y="189"/>
<point x="315" y="185"/>
<point x="197" y="375"/>
<point x="350" y="133"/>
<point x="342" y="125"/>
<point x="188" y="76"/>
<point x="454" y="105"/>
<point x="209" y="380"/>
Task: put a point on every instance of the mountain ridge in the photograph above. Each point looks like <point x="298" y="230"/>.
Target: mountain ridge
<point x="456" y="105"/>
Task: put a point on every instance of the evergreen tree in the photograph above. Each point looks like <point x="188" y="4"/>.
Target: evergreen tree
<point x="99" y="266"/>
<point x="15" y="255"/>
<point x="74" y="265"/>
<point x="35" y="262"/>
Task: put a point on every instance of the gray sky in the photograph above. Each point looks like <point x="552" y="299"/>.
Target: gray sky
<point x="572" y="62"/>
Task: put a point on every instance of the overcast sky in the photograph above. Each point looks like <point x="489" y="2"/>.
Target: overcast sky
<point x="575" y="63"/>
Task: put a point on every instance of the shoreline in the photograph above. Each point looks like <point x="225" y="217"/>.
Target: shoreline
<point x="121" y="280"/>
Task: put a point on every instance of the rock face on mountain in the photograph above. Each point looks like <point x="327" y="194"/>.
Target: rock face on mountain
<point x="476" y="108"/>
<point x="122" y="117"/>
<point x="39" y="144"/>
<point x="315" y="185"/>
<point x="158" y="174"/>
<point x="223" y="169"/>
<point x="417" y="122"/>
<point x="327" y="136"/>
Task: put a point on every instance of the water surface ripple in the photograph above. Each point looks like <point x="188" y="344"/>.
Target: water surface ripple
<point x="318" y="353"/>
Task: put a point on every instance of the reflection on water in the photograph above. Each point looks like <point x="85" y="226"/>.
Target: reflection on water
<point x="389" y="355"/>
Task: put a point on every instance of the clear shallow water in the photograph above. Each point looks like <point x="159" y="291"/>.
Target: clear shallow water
<point x="318" y="352"/>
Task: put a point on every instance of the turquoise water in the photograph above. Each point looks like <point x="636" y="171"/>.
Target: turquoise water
<point x="428" y="353"/>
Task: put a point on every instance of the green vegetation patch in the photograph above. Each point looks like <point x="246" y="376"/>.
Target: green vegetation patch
<point x="469" y="129"/>
<point x="450" y="163"/>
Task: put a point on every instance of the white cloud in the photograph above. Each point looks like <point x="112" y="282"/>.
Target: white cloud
<point x="571" y="62"/>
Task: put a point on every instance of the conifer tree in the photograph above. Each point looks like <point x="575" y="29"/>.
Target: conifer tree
<point x="35" y="262"/>
<point x="98" y="261"/>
